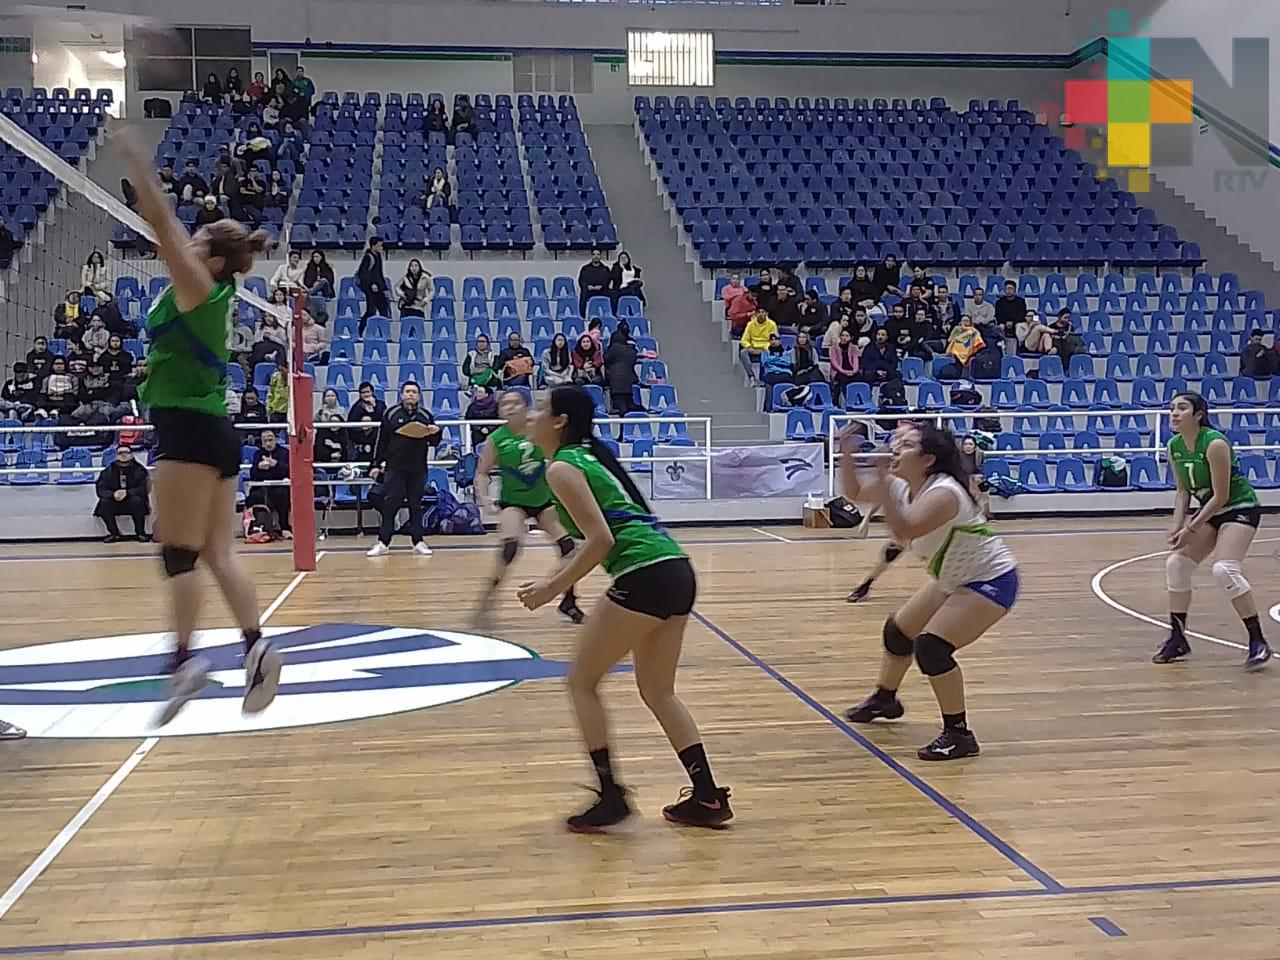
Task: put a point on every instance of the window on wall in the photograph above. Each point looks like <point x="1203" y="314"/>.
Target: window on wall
<point x="180" y="58"/>
<point x="551" y="73"/>
<point x="680" y="58"/>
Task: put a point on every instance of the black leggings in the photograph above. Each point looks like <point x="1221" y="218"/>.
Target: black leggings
<point x="401" y="485"/>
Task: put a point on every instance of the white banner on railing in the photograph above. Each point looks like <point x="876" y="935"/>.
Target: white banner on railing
<point x="775" y="470"/>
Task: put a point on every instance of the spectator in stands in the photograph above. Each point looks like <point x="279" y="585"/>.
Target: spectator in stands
<point x="373" y="283"/>
<point x="588" y="361"/>
<point x="785" y="276"/>
<point x="754" y="341"/>
<point x="740" y="310"/>
<point x="40" y="360"/>
<point x="846" y="363"/>
<point x="483" y="406"/>
<point x="620" y="359"/>
<point x="224" y="185"/>
<point x="271" y="113"/>
<point x="438" y="191"/>
<point x="785" y="310"/>
<point x="946" y="312"/>
<point x="253" y="193"/>
<point x="93" y="276"/>
<point x="414" y="293"/>
<point x="370" y="409"/>
<point x="303" y="88"/>
<point x="123" y="489"/>
<point x="212" y="91"/>
<point x="843" y="307"/>
<point x="280" y="77"/>
<point x="233" y="83"/>
<point x="480" y="365"/>
<point x="278" y="393"/>
<point x="898" y="320"/>
<point x="191" y="186"/>
<point x="863" y="328"/>
<point x="315" y="339"/>
<point x="1011" y="309"/>
<point x="123" y="395"/>
<point x="258" y="88"/>
<point x="515" y="363"/>
<point x="1066" y="342"/>
<point x="77" y="352"/>
<point x="920" y="280"/>
<point x="94" y="396"/>
<point x="271" y="340"/>
<point x="971" y="464"/>
<point x="20" y="397"/>
<point x="436" y="121"/>
<point x="1256" y="360"/>
<point x="764" y="290"/>
<point x="240" y="342"/>
<point x="251" y="412"/>
<point x="595" y="330"/>
<point x="862" y="289"/>
<point x="964" y="342"/>
<point x="168" y="186"/>
<point x="594" y="280"/>
<point x="277" y="192"/>
<point x="625" y="280"/>
<point x="983" y="313"/>
<point x="879" y="361"/>
<point x="271" y="462"/>
<point x="814" y="316"/>
<point x="241" y="105"/>
<point x="117" y="362"/>
<point x="731" y="291"/>
<point x="775" y="368"/>
<point x="209" y="212"/>
<point x="289" y="275"/>
<point x="1034" y="336"/>
<point x="331" y="445"/>
<point x="291" y="145"/>
<point x="97" y="336"/>
<point x="556" y="367"/>
<point x="318" y="279"/>
<point x="915" y="301"/>
<point x="67" y="321"/>
<point x="805" y="367"/>
<point x="887" y="276"/>
<point x="59" y="389"/>
<point x="464" y="117"/>
<point x="8" y="245"/>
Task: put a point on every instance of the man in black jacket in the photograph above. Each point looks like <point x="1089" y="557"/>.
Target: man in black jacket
<point x="271" y="462"/>
<point x="1011" y="309"/>
<point x="373" y="283"/>
<point x="122" y="491"/>
<point x="594" y="280"/>
<point x="408" y="432"/>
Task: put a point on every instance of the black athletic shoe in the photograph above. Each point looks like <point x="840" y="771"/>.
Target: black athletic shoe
<point x="874" y="708"/>
<point x="951" y="744"/>
<point x="860" y="593"/>
<point x="1173" y="649"/>
<point x="112" y="538"/>
<point x="609" y="810"/>
<point x="692" y="812"/>
<point x="569" y="607"/>
<point x="1259" y="654"/>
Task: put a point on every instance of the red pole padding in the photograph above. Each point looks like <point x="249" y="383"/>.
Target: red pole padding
<point x="302" y="497"/>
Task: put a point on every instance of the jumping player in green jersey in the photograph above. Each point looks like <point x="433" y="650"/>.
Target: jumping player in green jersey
<point x="644" y="612"/>
<point x="524" y="496"/>
<point x="197" y="451"/>
<point x="1205" y="467"/>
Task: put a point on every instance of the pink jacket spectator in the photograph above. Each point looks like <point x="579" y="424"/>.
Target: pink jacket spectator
<point x="844" y="360"/>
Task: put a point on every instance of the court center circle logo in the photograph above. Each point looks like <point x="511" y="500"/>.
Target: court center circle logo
<point x="114" y="686"/>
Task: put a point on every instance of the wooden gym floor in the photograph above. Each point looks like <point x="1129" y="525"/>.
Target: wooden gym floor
<point x="1118" y="810"/>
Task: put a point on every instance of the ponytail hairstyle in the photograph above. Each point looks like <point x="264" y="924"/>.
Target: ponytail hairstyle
<point x="940" y="443"/>
<point x="1198" y="405"/>
<point x="235" y="245"/>
<point x="578" y="408"/>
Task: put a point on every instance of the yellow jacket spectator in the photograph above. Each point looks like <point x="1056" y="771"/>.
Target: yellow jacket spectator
<point x="278" y="395"/>
<point x="755" y="340"/>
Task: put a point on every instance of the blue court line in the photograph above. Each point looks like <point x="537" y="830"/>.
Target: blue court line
<point x="1107" y="927"/>
<point x="988" y="836"/>
<point x="710" y="909"/>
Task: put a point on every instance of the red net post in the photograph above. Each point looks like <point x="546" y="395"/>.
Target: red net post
<point x="302" y="497"/>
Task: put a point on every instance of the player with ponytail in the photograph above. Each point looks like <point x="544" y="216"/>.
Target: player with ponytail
<point x="644" y="612"/>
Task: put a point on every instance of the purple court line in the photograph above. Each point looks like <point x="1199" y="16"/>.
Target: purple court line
<point x="948" y="806"/>
<point x="544" y="919"/>
<point x="1107" y="927"/>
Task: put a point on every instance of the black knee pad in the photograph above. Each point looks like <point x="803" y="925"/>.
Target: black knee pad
<point x="509" y="550"/>
<point x="934" y="656"/>
<point x="566" y="546"/>
<point x="891" y="552"/>
<point x="895" y="641"/>
<point x="178" y="560"/>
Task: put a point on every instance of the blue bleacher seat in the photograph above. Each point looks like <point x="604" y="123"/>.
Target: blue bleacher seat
<point x="800" y="425"/>
<point x="1071" y="477"/>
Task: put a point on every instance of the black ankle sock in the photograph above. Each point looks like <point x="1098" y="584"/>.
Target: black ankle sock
<point x="250" y="638"/>
<point x="604" y="770"/>
<point x="1254" y="628"/>
<point x="883" y="695"/>
<point x="1178" y="625"/>
<point x="955" y="721"/>
<point x="180" y="656"/>
<point x="695" y="763"/>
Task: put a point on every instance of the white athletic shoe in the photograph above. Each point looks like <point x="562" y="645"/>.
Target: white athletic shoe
<point x="187" y="683"/>
<point x="261" y="676"/>
<point x="421" y="549"/>
<point x="9" y="732"/>
<point x="379" y="549"/>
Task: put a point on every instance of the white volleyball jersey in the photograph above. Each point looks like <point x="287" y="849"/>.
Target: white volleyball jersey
<point x="963" y="550"/>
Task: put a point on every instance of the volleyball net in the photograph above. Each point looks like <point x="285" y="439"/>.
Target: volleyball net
<point x="80" y="325"/>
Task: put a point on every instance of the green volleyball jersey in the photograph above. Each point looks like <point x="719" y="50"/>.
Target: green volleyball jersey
<point x="187" y="362"/>
<point x="638" y="538"/>
<point x="1192" y="469"/>
<point x="523" y="469"/>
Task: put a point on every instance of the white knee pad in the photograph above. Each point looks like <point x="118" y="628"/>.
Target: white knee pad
<point x="1178" y="570"/>
<point x="1230" y="576"/>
